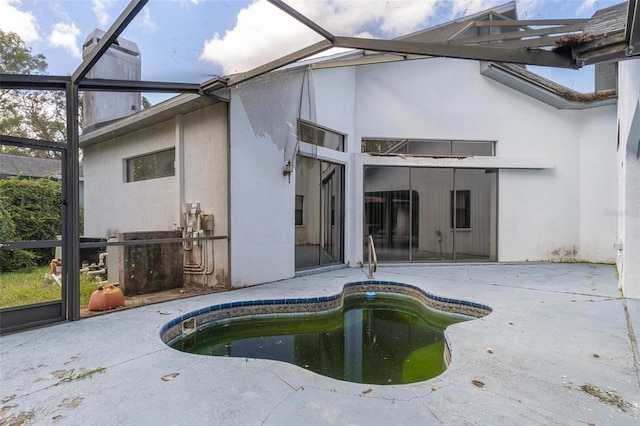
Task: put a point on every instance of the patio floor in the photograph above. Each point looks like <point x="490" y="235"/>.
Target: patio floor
<point x="558" y="348"/>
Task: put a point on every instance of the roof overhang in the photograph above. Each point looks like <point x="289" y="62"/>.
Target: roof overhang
<point x="545" y="90"/>
<point x="157" y="114"/>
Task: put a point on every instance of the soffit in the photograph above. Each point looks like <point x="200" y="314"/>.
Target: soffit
<point x="168" y="110"/>
<point x="544" y="90"/>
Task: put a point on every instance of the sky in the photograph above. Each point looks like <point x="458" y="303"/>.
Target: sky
<point x="194" y="40"/>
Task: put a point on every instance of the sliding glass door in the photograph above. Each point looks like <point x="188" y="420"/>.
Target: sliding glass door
<point x="431" y="214"/>
<point x="319" y="215"/>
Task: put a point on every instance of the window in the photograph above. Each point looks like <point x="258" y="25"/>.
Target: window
<point x="461" y="209"/>
<point x="311" y="133"/>
<point x="151" y="166"/>
<point x="428" y="147"/>
<point x="299" y="200"/>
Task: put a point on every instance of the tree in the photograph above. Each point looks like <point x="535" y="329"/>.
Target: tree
<point x="17" y="57"/>
<point x="35" y="114"/>
<point x="29" y="211"/>
<point x="145" y="103"/>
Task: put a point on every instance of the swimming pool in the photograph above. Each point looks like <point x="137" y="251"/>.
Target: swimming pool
<point x="374" y="332"/>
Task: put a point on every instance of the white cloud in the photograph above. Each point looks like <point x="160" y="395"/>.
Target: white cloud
<point x="262" y="32"/>
<point x="12" y="19"/>
<point x="101" y="9"/>
<point x="528" y="9"/>
<point x="586" y="6"/>
<point x="469" y="7"/>
<point x="65" y="36"/>
<point x="251" y="42"/>
<point x="145" y="21"/>
<point x="185" y="3"/>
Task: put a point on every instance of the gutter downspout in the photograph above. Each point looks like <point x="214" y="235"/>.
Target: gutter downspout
<point x="179" y="142"/>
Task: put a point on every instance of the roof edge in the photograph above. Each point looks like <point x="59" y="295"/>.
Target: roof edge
<point x="545" y="90"/>
<point x="181" y="104"/>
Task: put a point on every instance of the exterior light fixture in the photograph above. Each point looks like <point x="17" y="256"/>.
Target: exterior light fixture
<point x="288" y="169"/>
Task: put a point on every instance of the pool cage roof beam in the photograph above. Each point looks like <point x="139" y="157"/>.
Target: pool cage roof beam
<point x="38" y="143"/>
<point x="482" y="53"/>
<point x="107" y="40"/>
<point x="302" y="19"/>
<point x="633" y="28"/>
<point x="42" y="82"/>
<point x="70" y="166"/>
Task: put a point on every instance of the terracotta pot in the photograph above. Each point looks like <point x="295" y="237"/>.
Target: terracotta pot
<point x="105" y="298"/>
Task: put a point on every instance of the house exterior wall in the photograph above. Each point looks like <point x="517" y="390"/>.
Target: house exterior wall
<point x="628" y="211"/>
<point x="205" y="163"/>
<point x="539" y="210"/>
<point x="263" y="138"/>
<point x="111" y="204"/>
<point x="560" y="211"/>
<point x="332" y="97"/>
<point x="598" y="197"/>
<point x="557" y="213"/>
<point x="114" y="206"/>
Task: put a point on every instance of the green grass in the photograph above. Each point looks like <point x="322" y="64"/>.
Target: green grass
<point x="30" y="286"/>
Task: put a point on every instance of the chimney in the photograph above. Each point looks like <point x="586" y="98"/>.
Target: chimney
<point x="120" y="62"/>
<point x="606" y="76"/>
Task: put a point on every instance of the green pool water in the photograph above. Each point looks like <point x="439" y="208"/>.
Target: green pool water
<point x="386" y="339"/>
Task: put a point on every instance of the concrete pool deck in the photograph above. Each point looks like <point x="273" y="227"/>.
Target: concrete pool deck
<point x="558" y="348"/>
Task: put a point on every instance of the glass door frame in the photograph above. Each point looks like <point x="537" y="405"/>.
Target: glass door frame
<point x="332" y="205"/>
<point x="328" y="208"/>
<point x="454" y="229"/>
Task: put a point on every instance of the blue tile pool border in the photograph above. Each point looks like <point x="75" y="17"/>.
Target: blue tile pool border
<point x="204" y="316"/>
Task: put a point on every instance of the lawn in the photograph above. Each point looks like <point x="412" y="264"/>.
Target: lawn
<point x="31" y="286"/>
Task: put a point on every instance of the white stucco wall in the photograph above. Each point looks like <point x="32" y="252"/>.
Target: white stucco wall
<point x="628" y="213"/>
<point x="539" y="210"/>
<point x="113" y="205"/>
<point x="598" y="194"/>
<point x="333" y="94"/>
<point x="554" y="214"/>
<point x="206" y="157"/>
<point x="263" y="138"/>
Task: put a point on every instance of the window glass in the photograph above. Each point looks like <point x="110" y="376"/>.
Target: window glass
<point x="388" y="201"/>
<point x="472" y="148"/>
<point x="299" y="211"/>
<point x="461" y="209"/>
<point x="430" y="147"/>
<point x="475" y="215"/>
<point x="427" y="147"/>
<point x="151" y="166"/>
<point x="319" y="213"/>
<point x="315" y="135"/>
<point x="430" y="214"/>
<point x="384" y="146"/>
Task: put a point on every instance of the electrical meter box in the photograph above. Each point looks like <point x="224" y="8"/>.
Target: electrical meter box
<point x="206" y="222"/>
